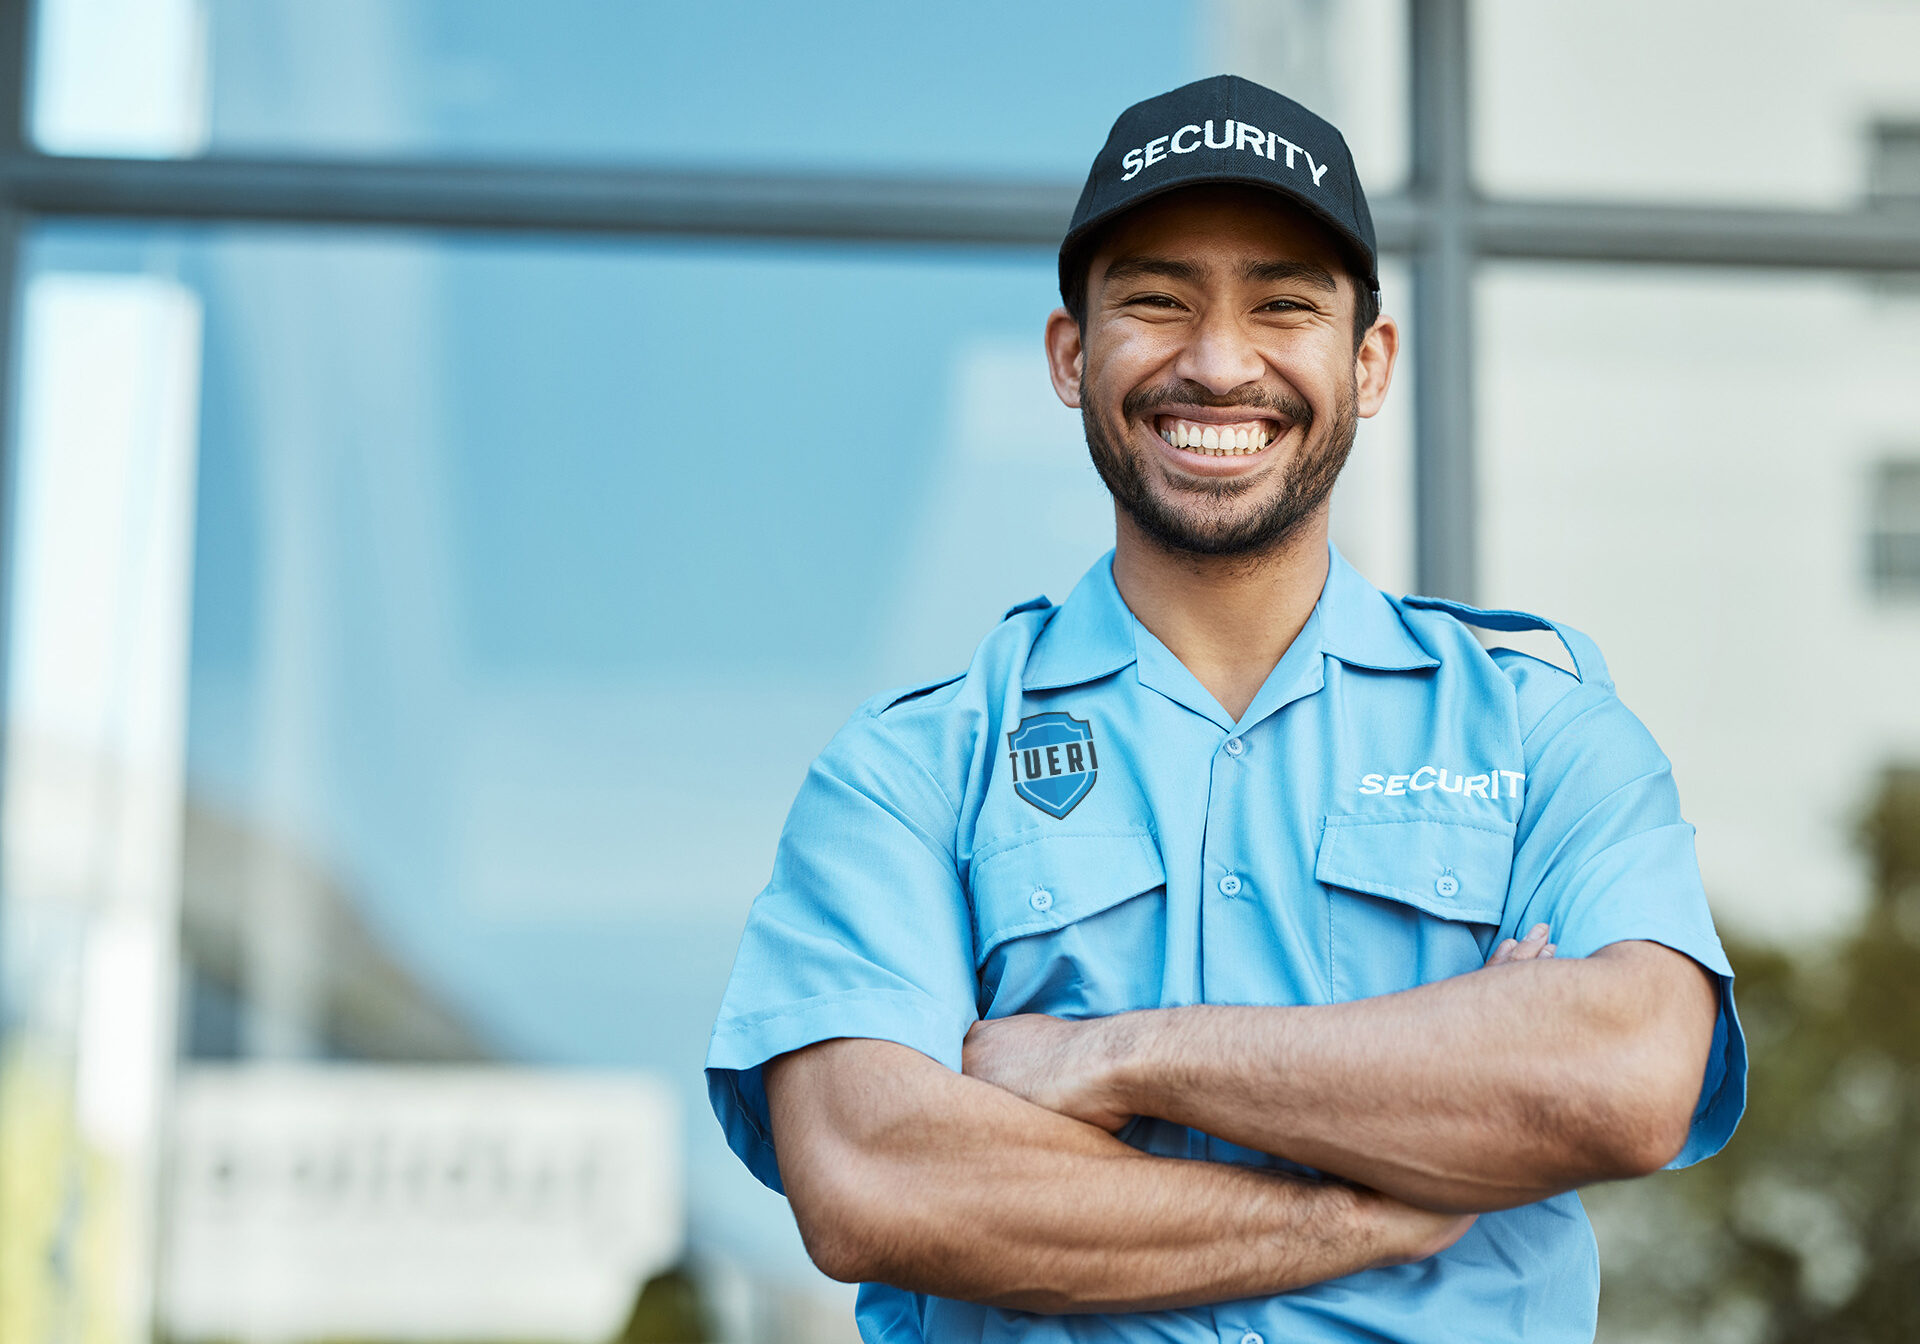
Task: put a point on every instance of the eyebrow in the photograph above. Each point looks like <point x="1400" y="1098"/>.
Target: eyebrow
<point x="1260" y="272"/>
<point x="1164" y="268"/>
<point x="1278" y="272"/>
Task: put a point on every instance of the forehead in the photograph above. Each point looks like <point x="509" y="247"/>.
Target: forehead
<point x="1219" y="224"/>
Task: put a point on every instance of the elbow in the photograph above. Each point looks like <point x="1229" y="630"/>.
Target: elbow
<point x="1640" y="1122"/>
<point x="840" y="1255"/>
<point x="839" y="1231"/>
<point x="1648" y="1042"/>
<point x="1650" y="1139"/>
<point x="1618" y="1149"/>
<point x="851" y="1214"/>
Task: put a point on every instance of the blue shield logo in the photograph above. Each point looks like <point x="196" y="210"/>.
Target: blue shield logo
<point x="1054" y="763"/>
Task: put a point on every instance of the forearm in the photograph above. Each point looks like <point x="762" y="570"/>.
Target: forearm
<point x="953" y="1187"/>
<point x="1478" y="1092"/>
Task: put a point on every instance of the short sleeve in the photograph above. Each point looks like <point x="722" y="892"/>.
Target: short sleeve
<point x="862" y="931"/>
<point x="1602" y="856"/>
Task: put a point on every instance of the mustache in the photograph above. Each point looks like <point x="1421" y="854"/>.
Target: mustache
<point x="1145" y="400"/>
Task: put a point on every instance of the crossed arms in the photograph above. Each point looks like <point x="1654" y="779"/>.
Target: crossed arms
<point x="1005" y="1185"/>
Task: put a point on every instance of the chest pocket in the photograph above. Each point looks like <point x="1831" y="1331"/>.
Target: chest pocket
<point x="1073" y="924"/>
<point x="1411" y="900"/>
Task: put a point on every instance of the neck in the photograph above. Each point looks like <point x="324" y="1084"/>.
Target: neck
<point x="1230" y="619"/>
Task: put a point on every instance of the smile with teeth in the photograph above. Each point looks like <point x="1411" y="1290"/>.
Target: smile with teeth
<point x="1248" y="436"/>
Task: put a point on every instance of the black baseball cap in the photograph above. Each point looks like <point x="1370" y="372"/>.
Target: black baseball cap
<point x="1224" y="129"/>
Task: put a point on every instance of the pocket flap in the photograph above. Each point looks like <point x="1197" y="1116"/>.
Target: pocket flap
<point x="1046" y="882"/>
<point x="1452" y="869"/>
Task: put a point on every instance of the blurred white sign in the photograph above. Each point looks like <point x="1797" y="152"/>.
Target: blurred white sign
<point x="335" y="1201"/>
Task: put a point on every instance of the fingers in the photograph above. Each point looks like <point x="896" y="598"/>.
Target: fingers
<point x="1531" y="948"/>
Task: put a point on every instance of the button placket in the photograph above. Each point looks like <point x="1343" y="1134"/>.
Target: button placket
<point x="1231" y="884"/>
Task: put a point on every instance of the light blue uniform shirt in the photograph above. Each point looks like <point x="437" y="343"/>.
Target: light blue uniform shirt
<point x="1076" y="827"/>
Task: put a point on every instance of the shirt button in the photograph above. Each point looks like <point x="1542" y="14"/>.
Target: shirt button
<point x="1235" y="747"/>
<point x="1229" y="885"/>
<point x="1041" y="900"/>
<point x="1447" y="885"/>
<point x="1253" y="1337"/>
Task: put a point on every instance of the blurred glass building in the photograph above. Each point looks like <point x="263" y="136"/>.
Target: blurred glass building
<point x="464" y="458"/>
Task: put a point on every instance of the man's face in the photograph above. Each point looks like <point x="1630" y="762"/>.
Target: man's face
<point x="1217" y="376"/>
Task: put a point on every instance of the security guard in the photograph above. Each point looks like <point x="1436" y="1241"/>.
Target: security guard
<point x="1184" y="969"/>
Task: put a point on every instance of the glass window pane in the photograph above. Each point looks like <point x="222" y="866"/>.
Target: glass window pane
<point x="525" y="579"/>
<point x="1690" y="466"/>
<point x="1768" y="103"/>
<point x="997" y="88"/>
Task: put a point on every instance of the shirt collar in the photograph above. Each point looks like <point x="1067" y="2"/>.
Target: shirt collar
<point x="1088" y="638"/>
<point x="1092" y="634"/>
<point x="1361" y="626"/>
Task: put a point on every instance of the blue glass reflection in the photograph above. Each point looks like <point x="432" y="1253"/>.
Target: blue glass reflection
<point x="992" y="86"/>
<point x="529" y="576"/>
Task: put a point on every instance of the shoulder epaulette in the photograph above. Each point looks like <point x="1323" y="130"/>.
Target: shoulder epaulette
<point x="1588" y="665"/>
<point x="885" y="701"/>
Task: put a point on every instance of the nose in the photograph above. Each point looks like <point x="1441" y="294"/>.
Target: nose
<point x="1220" y="356"/>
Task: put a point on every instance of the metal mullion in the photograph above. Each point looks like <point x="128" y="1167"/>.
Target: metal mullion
<point x="1885" y="239"/>
<point x="15" y="28"/>
<point x="16" y="48"/>
<point x="532" y="197"/>
<point x="1443" y="264"/>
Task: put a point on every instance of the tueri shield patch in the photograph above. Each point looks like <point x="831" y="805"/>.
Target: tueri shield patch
<point x="1054" y="761"/>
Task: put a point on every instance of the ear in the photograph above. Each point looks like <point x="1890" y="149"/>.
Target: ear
<point x="1065" y="356"/>
<point x="1373" y="365"/>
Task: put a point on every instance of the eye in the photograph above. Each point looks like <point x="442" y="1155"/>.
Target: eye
<point x="1154" y="301"/>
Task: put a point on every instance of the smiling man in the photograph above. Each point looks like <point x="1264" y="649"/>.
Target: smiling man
<point x="1181" y="971"/>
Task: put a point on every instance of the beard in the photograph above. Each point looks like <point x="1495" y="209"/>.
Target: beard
<point x="1207" y="517"/>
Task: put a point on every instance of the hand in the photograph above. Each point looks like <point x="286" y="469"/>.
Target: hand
<point x="1061" y="1065"/>
<point x="1534" y="947"/>
<point x="1408" y="1233"/>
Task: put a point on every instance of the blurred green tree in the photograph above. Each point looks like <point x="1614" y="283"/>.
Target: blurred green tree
<point x="1806" y="1229"/>
<point x="669" y="1310"/>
